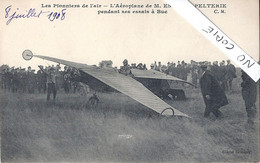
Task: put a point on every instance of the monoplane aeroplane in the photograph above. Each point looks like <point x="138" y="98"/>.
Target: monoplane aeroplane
<point x="99" y="79"/>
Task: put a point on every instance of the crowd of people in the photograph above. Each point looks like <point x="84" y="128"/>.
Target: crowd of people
<point x="225" y="73"/>
<point x="30" y="81"/>
<point x="214" y="80"/>
<point x="47" y="79"/>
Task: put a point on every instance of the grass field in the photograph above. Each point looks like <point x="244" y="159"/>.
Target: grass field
<point x="120" y="129"/>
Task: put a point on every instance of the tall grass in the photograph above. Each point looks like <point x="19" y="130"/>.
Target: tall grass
<point x="119" y="129"/>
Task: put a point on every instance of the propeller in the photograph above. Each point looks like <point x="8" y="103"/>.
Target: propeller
<point x="27" y="55"/>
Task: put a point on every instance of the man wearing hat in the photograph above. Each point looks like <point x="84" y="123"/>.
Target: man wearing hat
<point x="125" y="69"/>
<point x="213" y="95"/>
<point x="30" y="80"/>
<point x="222" y="75"/>
<point x="15" y="80"/>
<point x="23" y="79"/>
<point x="51" y="81"/>
<point x="231" y="74"/>
<point x="152" y="66"/>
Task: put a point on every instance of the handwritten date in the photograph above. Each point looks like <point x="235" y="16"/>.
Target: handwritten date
<point x="12" y="14"/>
<point x="56" y="15"/>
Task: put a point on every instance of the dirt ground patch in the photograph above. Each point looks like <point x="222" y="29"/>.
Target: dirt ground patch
<point x="120" y="129"/>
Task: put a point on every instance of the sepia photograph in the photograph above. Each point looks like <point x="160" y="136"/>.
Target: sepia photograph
<point x="129" y="81"/>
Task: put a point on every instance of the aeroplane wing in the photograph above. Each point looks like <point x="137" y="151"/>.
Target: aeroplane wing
<point x="124" y="84"/>
<point x="152" y="74"/>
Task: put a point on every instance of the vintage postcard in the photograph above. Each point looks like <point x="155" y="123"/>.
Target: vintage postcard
<point x="129" y="81"/>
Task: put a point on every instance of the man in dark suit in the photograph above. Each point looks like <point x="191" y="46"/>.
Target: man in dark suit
<point x="249" y="94"/>
<point x="213" y="95"/>
<point x="231" y="74"/>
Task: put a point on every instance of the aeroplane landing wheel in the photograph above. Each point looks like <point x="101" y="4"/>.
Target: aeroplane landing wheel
<point x="93" y="101"/>
<point x="168" y="109"/>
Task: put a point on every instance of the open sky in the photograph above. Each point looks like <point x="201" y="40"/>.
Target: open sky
<point x="86" y="37"/>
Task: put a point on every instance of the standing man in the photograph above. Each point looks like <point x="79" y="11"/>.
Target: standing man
<point x="159" y="67"/>
<point x="194" y="73"/>
<point x="213" y="95"/>
<point x="30" y="80"/>
<point x="178" y="70"/>
<point x="51" y="82"/>
<point x="223" y="76"/>
<point x="215" y="70"/>
<point x="249" y="93"/>
<point x="231" y="74"/>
